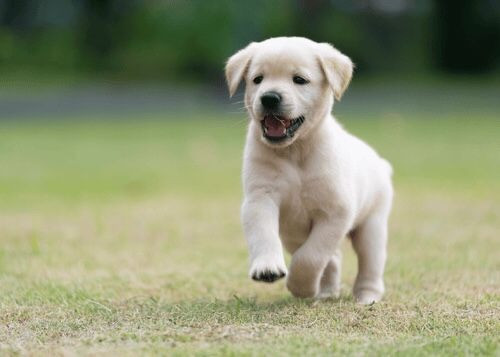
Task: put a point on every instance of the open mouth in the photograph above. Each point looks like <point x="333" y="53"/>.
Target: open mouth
<point x="278" y="128"/>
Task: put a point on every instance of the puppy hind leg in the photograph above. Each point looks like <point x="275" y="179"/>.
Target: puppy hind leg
<point x="330" y="280"/>
<point x="369" y="241"/>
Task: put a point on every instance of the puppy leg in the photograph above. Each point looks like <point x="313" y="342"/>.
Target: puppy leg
<point x="330" y="281"/>
<point x="370" y="244"/>
<point x="260" y="216"/>
<point x="311" y="259"/>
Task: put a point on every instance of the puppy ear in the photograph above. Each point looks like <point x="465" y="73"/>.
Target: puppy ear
<point x="237" y="66"/>
<point x="337" y="68"/>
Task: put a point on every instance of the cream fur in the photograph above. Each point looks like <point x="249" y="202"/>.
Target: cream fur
<point x="310" y="191"/>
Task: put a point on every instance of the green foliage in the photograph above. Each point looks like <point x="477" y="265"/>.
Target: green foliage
<point x="190" y="40"/>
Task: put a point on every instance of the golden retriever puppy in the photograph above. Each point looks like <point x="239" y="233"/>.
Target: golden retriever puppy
<point x="308" y="182"/>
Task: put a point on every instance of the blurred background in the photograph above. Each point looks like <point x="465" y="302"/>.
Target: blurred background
<point x="122" y="55"/>
<point x="104" y="99"/>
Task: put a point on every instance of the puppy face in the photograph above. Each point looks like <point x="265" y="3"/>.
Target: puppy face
<point x="290" y="85"/>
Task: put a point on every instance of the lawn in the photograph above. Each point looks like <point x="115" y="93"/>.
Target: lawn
<point x="121" y="236"/>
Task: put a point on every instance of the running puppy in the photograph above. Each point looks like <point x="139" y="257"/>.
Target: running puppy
<point x="307" y="182"/>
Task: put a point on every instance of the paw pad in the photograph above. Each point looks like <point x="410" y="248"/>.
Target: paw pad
<point x="268" y="276"/>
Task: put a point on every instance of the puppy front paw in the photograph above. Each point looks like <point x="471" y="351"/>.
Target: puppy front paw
<point x="300" y="289"/>
<point x="305" y="273"/>
<point x="267" y="270"/>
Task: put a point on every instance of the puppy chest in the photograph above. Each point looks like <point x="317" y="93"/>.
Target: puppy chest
<point x="295" y="222"/>
<point x="304" y="200"/>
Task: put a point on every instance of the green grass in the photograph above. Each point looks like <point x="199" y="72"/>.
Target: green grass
<point x="123" y="237"/>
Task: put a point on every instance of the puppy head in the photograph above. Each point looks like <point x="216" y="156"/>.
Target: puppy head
<point x="290" y="85"/>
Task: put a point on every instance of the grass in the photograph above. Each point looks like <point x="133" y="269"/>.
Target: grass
<point x="123" y="237"/>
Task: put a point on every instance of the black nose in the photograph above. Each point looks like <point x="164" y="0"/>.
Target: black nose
<point x="270" y="100"/>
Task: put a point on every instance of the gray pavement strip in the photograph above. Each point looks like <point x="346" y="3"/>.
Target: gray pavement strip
<point x="114" y="99"/>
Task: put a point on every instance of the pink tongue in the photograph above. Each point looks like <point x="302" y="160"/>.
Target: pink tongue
<point x="274" y="127"/>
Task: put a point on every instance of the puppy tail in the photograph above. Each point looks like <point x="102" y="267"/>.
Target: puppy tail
<point x="388" y="166"/>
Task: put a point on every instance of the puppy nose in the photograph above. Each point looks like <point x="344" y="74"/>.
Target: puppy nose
<point x="270" y="100"/>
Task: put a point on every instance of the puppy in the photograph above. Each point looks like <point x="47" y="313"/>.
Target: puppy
<point x="307" y="182"/>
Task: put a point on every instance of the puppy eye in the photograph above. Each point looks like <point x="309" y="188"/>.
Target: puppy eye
<point x="299" y="80"/>
<point x="258" y="79"/>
